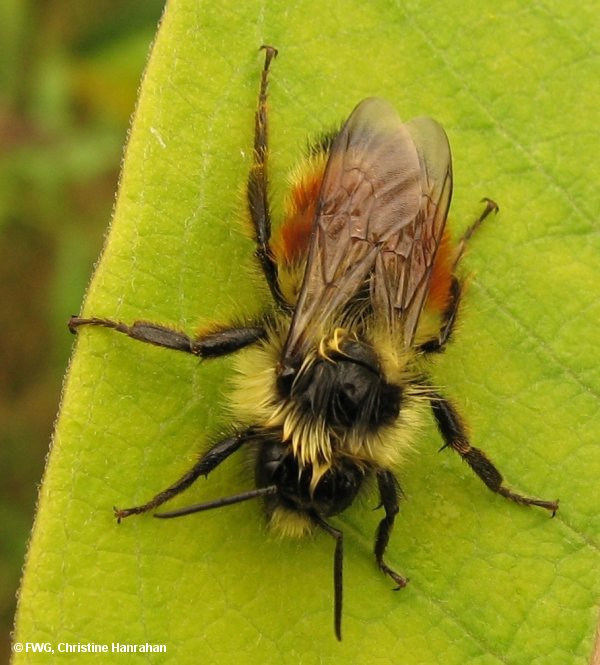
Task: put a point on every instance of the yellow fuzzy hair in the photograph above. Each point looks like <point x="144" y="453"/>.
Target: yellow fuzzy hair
<point x="254" y="401"/>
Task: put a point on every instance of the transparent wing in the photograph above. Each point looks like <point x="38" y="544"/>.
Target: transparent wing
<point x="380" y="217"/>
<point x="403" y="265"/>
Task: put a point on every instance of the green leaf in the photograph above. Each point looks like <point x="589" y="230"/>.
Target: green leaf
<point x="491" y="582"/>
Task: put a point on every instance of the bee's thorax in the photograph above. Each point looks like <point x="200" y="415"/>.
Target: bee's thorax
<point x="344" y="388"/>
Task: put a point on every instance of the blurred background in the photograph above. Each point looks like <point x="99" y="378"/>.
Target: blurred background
<point x="69" y="74"/>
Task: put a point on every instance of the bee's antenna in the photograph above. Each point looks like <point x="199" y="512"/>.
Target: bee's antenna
<point x="338" y="564"/>
<point x="219" y="503"/>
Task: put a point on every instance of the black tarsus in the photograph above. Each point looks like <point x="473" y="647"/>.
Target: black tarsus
<point x="454" y="434"/>
<point x="389" y="492"/>
<point x="257" y="193"/>
<point x="210" y="345"/>
<point x="490" y="207"/>
<point x="211" y="459"/>
<point x="338" y="571"/>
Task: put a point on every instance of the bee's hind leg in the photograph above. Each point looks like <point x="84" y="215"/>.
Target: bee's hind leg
<point x="257" y="187"/>
<point x="450" y="314"/>
<point x="490" y="207"/>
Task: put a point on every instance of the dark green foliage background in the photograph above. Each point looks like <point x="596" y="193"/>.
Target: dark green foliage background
<point x="69" y="72"/>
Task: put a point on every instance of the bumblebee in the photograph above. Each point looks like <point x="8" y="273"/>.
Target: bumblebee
<point x="333" y="382"/>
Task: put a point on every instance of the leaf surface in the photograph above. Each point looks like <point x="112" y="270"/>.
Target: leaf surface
<point x="490" y="582"/>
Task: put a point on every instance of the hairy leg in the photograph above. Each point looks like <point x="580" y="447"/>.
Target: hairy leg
<point x="257" y="190"/>
<point x="217" y="343"/>
<point x="389" y="491"/>
<point x="211" y="459"/>
<point x="454" y="434"/>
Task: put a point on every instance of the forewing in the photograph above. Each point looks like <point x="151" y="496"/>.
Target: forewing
<point x="371" y="192"/>
<point x="403" y="266"/>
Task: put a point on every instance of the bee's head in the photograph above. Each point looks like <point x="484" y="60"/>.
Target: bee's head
<point x="334" y="491"/>
<point x="342" y="385"/>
